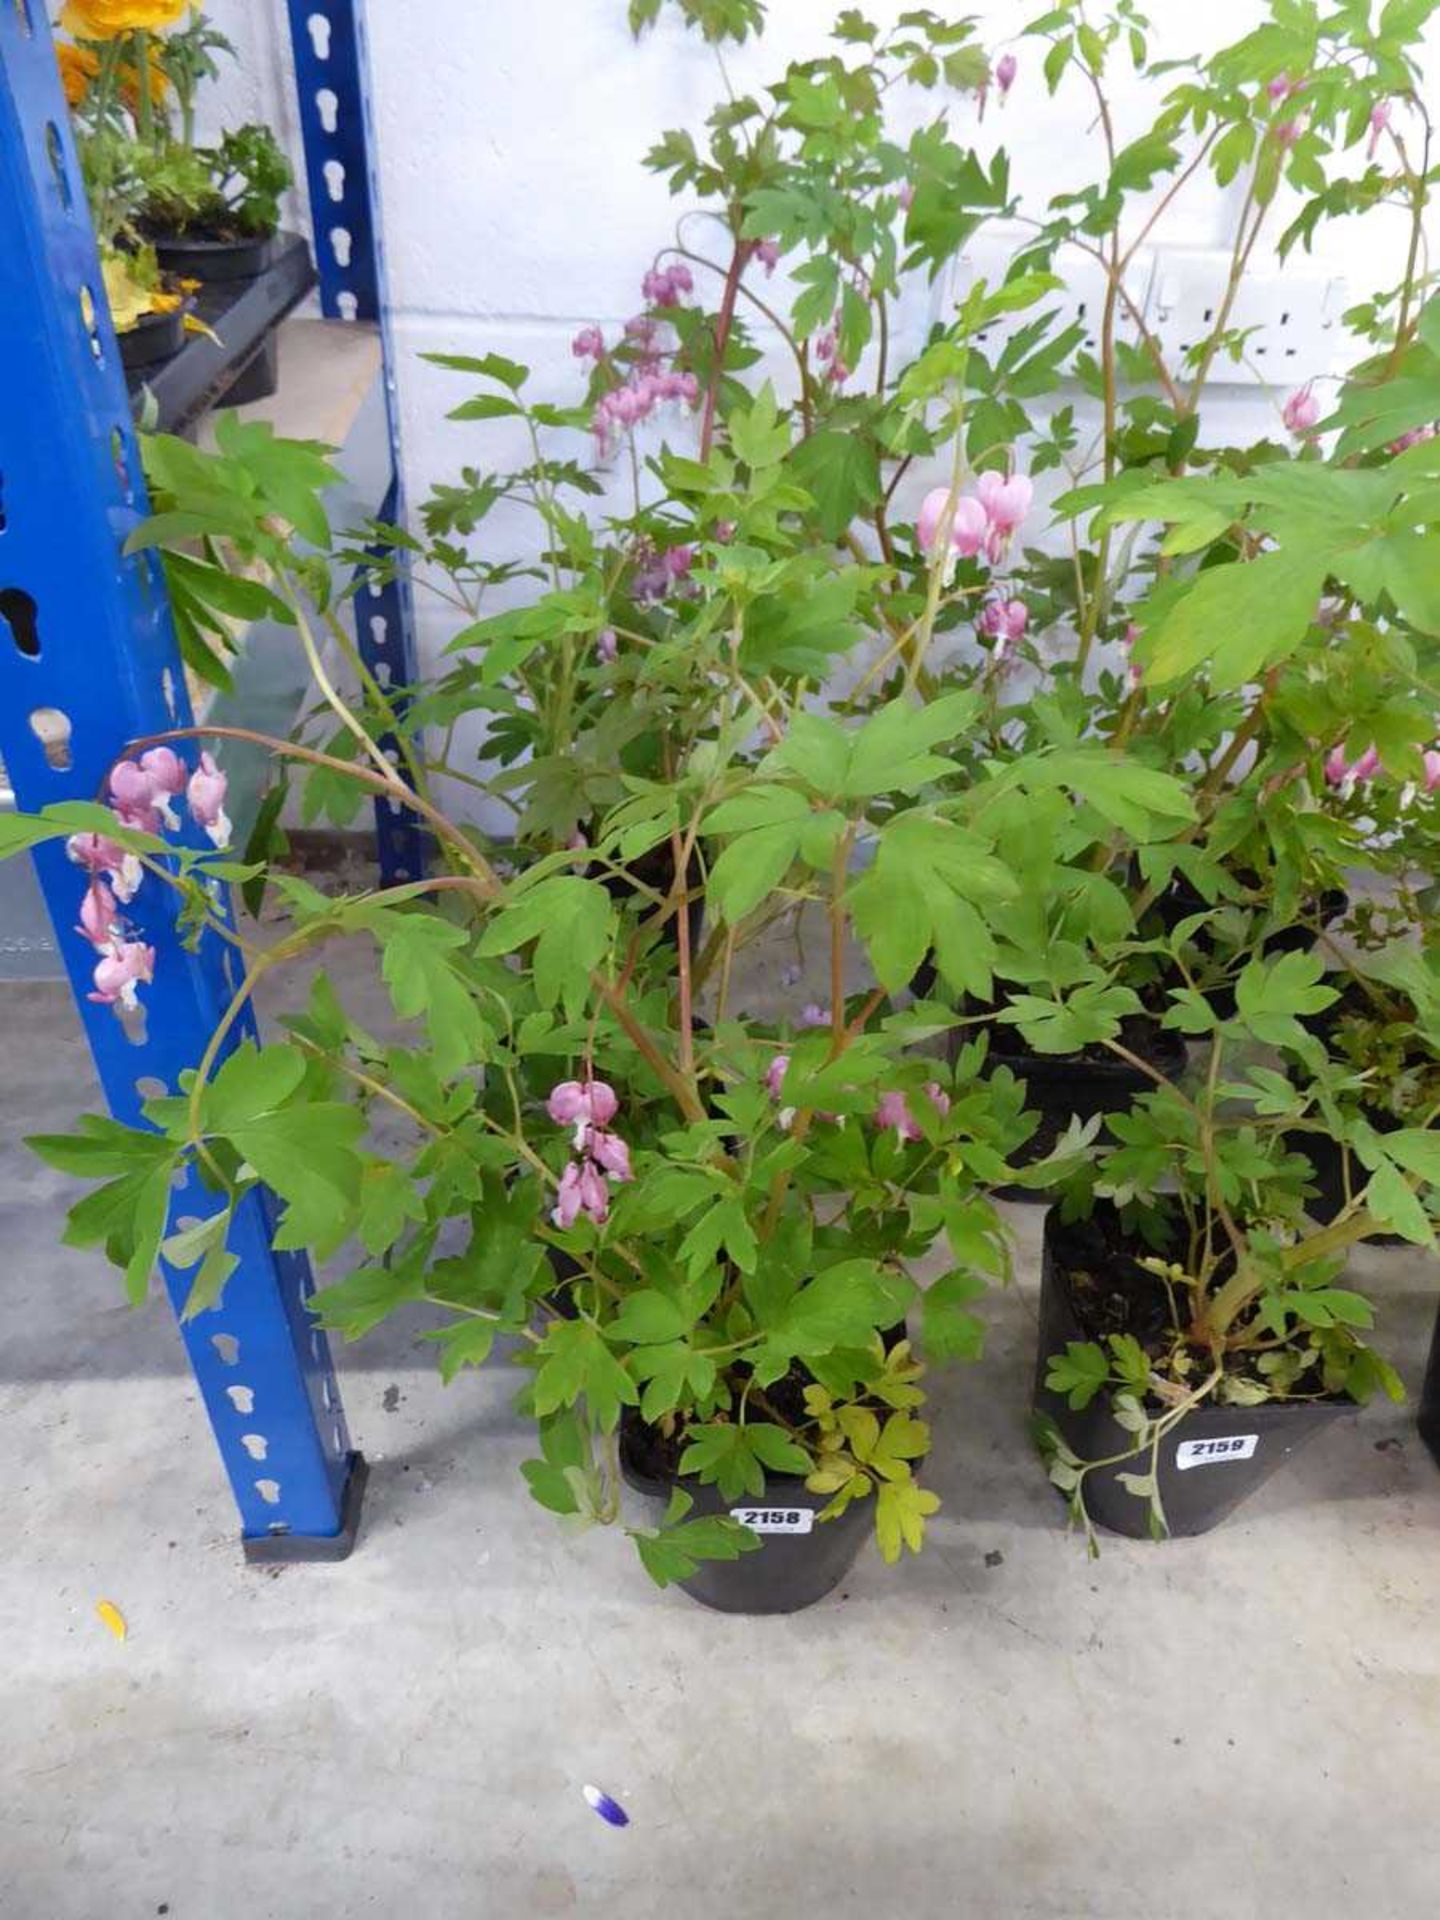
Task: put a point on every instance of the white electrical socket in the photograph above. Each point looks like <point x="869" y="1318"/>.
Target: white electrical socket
<point x="1295" y="313"/>
<point x="1080" y="297"/>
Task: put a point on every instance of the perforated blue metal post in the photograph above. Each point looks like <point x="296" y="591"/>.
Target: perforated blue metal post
<point x="331" y="75"/>
<point x="88" y="663"/>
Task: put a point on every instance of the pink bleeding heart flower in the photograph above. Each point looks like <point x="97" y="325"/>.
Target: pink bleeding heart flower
<point x="1004" y="621"/>
<point x="99" y="916"/>
<point x="588" y="344"/>
<point x="607" y="647"/>
<point x="930" y="520"/>
<point x="206" y="795"/>
<point x="1006" y="67"/>
<point x="775" y="1074"/>
<point x="567" y="1201"/>
<point x="118" y="974"/>
<point x="95" y="852"/>
<point x="582" y="1104"/>
<point x="133" y="796"/>
<point x="1301" y="412"/>
<point x="969" y="523"/>
<point x="594" y="1193"/>
<point x="1347" y="774"/>
<point x="609" y="1151"/>
<point x="1414" y="438"/>
<point x="1367" y="765"/>
<point x="767" y="252"/>
<point x="837" y="373"/>
<point x="894" y="1112"/>
<point x="98" y="855"/>
<point x="1005" y="498"/>
<point x="814" y="1016"/>
<point x="1288" y="133"/>
<point x="1282" y="86"/>
<point x="1432" y="769"/>
<point x="825" y="344"/>
<point x="663" y="286"/>
<point x="906" y="195"/>
<point x="167" y="774"/>
<point x="971" y="530"/>
<point x="1379" y="121"/>
<point x="937" y="1097"/>
<point x="679" y="561"/>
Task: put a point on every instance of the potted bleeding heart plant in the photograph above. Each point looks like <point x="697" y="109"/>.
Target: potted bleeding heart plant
<point x="1197" y="1325"/>
<point x="1332" y="111"/>
<point x="697" y="1222"/>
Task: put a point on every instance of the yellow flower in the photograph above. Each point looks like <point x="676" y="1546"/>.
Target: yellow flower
<point x="103" y="19"/>
<point x="129" y="299"/>
<point x="78" y="67"/>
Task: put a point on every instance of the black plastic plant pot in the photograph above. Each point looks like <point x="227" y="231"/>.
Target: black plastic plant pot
<point x="194" y="257"/>
<point x="1062" y="1087"/>
<point x="1208" y="1463"/>
<point x="154" y="338"/>
<point x="800" y="1559"/>
<point x="260" y="378"/>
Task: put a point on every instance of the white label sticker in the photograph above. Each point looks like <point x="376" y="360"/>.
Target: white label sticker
<point x="1208" y="1453"/>
<point x="775" y="1519"/>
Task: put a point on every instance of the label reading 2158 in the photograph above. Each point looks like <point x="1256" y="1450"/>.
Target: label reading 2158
<point x="775" y="1519"/>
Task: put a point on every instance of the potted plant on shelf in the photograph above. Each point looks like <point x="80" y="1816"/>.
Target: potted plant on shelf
<point x="169" y="213"/>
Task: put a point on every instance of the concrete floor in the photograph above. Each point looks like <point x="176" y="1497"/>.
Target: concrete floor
<point x="1242" y="1725"/>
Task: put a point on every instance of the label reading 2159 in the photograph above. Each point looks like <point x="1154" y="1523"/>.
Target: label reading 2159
<point x="775" y="1519"/>
<point x="1208" y="1453"/>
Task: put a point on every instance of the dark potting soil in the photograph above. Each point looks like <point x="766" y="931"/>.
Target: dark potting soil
<point x="220" y="233"/>
<point x="657" y="1455"/>
<point x="1097" y="1262"/>
<point x="1107" y="1288"/>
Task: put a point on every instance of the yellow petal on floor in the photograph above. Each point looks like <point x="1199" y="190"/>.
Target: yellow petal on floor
<point x="113" y="1618"/>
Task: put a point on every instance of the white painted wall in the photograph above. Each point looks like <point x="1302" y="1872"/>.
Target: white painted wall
<point x="516" y="206"/>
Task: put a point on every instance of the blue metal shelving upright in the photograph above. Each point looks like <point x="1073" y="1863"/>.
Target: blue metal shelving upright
<point x="88" y="663"/>
<point x="328" y="39"/>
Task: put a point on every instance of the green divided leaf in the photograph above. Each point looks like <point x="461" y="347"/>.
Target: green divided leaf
<point x="901" y="1510"/>
<point x="1236" y="620"/>
<point x="574" y="1363"/>
<point x="1079" y="1373"/>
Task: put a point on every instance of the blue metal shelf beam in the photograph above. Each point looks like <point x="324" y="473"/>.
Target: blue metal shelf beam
<point x="330" y="78"/>
<point x="88" y="663"/>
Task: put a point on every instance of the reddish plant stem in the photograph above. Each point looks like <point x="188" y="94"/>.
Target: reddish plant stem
<point x="723" y="322"/>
